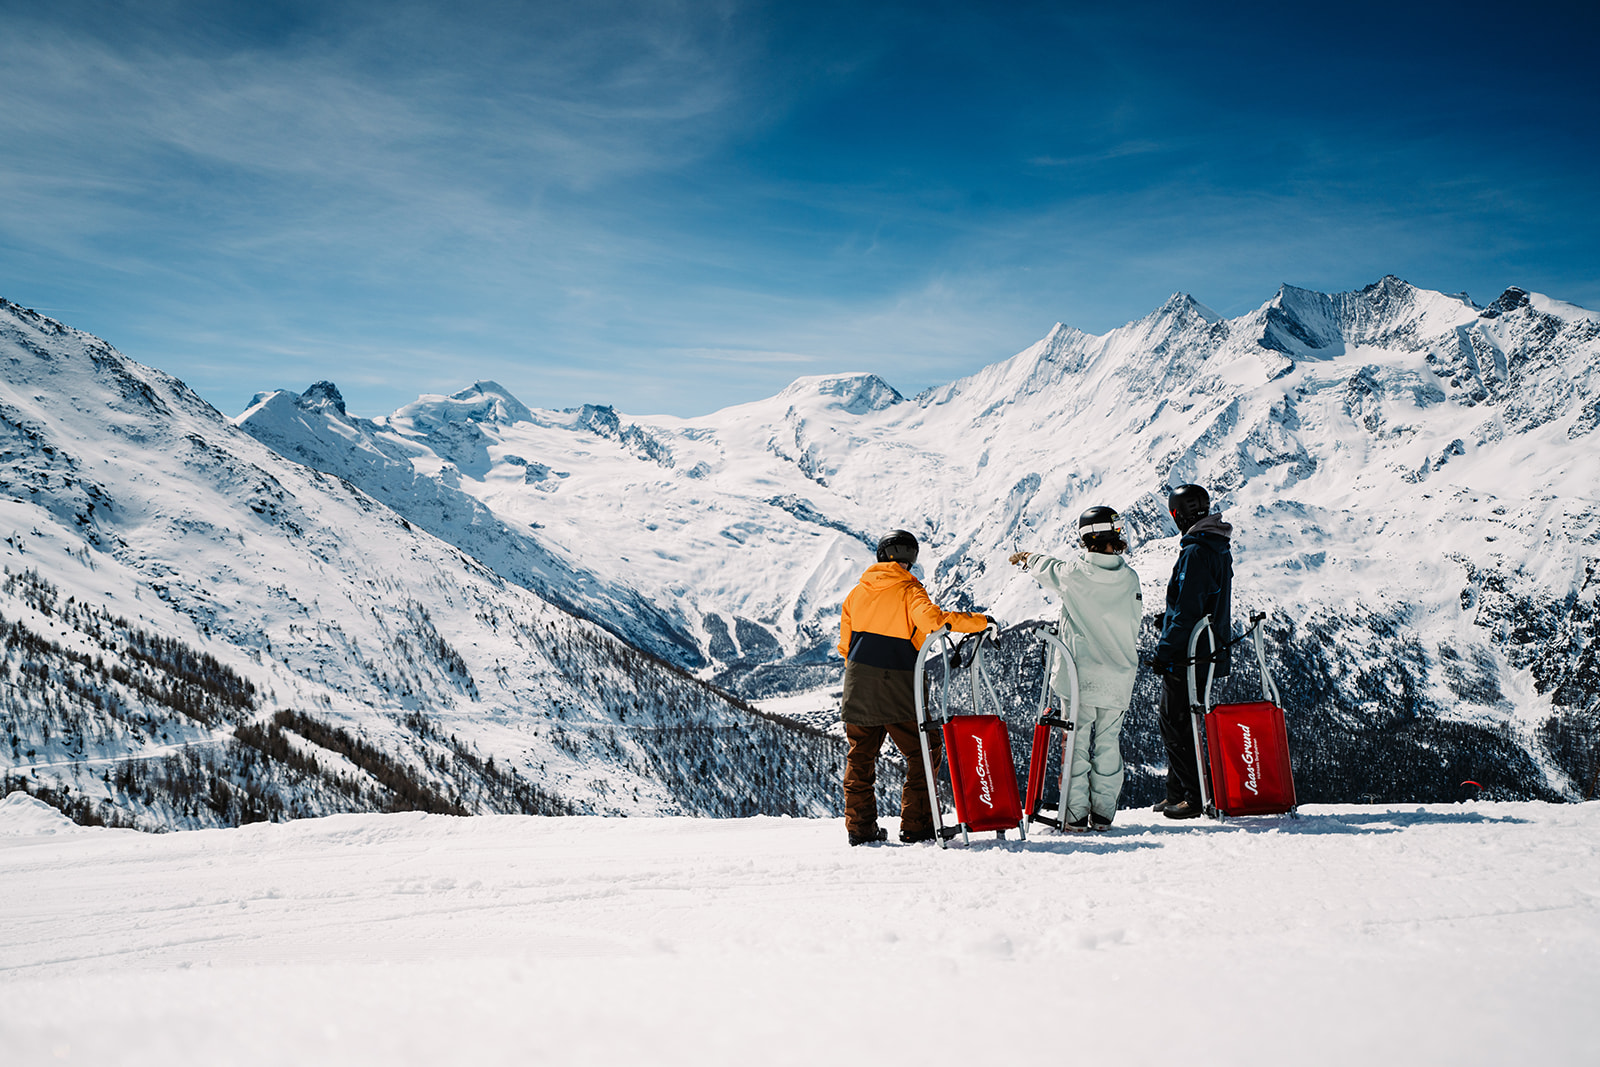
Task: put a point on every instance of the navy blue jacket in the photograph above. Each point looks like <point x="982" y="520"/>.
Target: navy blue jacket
<point x="1201" y="585"/>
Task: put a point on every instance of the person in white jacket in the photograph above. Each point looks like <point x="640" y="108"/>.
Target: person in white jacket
<point x="1100" y="610"/>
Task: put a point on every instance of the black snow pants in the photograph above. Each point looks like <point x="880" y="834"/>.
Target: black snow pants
<point x="1177" y="731"/>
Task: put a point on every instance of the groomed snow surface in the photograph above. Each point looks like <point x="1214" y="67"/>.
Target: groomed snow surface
<point x="1462" y="934"/>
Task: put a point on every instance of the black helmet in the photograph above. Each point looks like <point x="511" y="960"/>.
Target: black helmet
<point x="898" y="546"/>
<point x="1099" y="519"/>
<point x="1101" y="528"/>
<point x="1188" y="504"/>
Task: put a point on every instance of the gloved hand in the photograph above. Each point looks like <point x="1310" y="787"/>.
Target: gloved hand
<point x="1019" y="559"/>
<point x="996" y="623"/>
<point x="1164" y="667"/>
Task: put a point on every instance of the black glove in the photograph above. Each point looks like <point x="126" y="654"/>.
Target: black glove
<point x="1163" y="666"/>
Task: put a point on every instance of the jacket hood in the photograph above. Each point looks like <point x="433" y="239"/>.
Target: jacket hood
<point x="1213" y="525"/>
<point x="1105" y="563"/>
<point x="883" y="575"/>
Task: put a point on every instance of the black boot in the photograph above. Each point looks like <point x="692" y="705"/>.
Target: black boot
<point x="1183" y="809"/>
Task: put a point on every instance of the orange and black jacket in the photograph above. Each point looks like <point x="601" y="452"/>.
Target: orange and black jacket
<point x="888" y="615"/>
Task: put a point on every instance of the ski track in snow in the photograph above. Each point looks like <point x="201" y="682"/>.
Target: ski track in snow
<point x="1439" y="934"/>
<point x="148" y="753"/>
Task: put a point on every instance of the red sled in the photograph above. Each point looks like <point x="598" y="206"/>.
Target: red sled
<point x="983" y="778"/>
<point x="1044" y="727"/>
<point x="1244" y="755"/>
<point x="1247" y="746"/>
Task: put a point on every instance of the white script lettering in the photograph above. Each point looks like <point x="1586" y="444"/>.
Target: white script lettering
<point x="1252" y="761"/>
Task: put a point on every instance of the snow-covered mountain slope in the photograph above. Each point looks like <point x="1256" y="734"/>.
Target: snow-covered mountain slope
<point x="1434" y="936"/>
<point x="732" y="561"/>
<point x="424" y="483"/>
<point x="199" y="631"/>
<point x="1411" y="477"/>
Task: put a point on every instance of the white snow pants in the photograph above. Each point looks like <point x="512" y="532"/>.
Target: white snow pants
<point x="1096" y="763"/>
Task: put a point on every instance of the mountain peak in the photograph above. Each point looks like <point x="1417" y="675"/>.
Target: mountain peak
<point x="482" y="401"/>
<point x="855" y="393"/>
<point x="1306" y="322"/>
<point x="1061" y="333"/>
<point x="1181" y="303"/>
<point x="32" y="317"/>
<point x="322" y="396"/>
<point x="1509" y="300"/>
<point x="1390" y="284"/>
<point x="500" y="405"/>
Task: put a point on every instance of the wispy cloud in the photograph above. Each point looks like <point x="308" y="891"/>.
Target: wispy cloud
<point x="743" y="356"/>
<point x="1116" y="151"/>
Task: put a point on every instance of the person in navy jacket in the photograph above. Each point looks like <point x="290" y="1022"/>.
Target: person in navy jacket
<point x="1201" y="585"/>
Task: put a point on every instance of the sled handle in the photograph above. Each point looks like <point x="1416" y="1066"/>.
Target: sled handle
<point x="940" y="638"/>
<point x="983" y="691"/>
<point x="1269" y="688"/>
<point x="1049" y="635"/>
<point x="1198" y="705"/>
<point x="1201" y="627"/>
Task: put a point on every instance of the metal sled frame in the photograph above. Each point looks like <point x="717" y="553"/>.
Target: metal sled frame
<point x="983" y="692"/>
<point x="1049" y="637"/>
<point x="1200" y="704"/>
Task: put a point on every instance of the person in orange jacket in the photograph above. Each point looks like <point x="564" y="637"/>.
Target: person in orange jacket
<point x="886" y="618"/>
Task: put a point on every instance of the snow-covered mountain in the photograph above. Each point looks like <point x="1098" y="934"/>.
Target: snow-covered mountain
<point x="198" y="631"/>
<point x="1411" y="477"/>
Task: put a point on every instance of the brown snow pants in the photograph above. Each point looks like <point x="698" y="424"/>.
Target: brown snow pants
<point x="861" y="777"/>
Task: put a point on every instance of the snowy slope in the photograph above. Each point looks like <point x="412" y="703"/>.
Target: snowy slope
<point x="198" y="631"/>
<point x="1442" y="935"/>
<point x="1412" y="478"/>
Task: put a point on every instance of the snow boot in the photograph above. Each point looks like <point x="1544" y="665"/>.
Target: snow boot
<point x="871" y="837"/>
<point x="1183" y="809"/>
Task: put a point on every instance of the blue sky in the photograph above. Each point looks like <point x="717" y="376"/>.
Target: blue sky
<point x="672" y="207"/>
